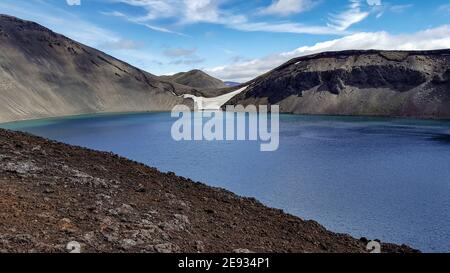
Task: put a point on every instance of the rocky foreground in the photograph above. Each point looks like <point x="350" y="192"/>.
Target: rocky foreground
<point x="52" y="194"/>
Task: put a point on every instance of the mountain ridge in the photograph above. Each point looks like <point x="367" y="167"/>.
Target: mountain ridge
<point x="197" y="79"/>
<point x="45" y="74"/>
<point x="358" y="82"/>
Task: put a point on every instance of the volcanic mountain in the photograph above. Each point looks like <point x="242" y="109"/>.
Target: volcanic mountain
<point x="197" y="79"/>
<point x="373" y="82"/>
<point x="44" y="74"/>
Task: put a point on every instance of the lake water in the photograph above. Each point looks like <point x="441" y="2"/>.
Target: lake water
<point x="379" y="178"/>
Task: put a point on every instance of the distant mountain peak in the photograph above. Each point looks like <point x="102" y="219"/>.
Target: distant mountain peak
<point x="196" y="78"/>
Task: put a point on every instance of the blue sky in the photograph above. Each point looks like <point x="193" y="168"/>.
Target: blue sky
<point x="237" y="40"/>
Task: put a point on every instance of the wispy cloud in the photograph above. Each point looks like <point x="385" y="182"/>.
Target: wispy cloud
<point x="287" y="7"/>
<point x="114" y="13"/>
<point x="374" y="2"/>
<point x="165" y="30"/>
<point x="435" y="38"/>
<point x="400" y="8"/>
<point x="444" y="8"/>
<point x="183" y="56"/>
<point x="352" y="15"/>
<point x="185" y="12"/>
<point x="381" y="8"/>
<point x="73" y="2"/>
<point x="190" y="61"/>
<point x="141" y="21"/>
<point x="286" y="28"/>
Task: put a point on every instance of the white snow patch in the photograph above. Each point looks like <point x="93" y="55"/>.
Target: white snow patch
<point x="213" y="103"/>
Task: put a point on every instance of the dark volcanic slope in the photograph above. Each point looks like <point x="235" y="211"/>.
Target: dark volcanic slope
<point x="197" y="79"/>
<point x="51" y="194"/>
<point x="45" y="74"/>
<point x="387" y="83"/>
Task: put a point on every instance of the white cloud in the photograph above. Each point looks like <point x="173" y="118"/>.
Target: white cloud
<point x="113" y="13"/>
<point x="183" y="56"/>
<point x="162" y="29"/>
<point x="188" y="11"/>
<point x="436" y="38"/>
<point x="444" y="8"/>
<point x="285" y="28"/>
<point x="287" y="7"/>
<point x="140" y="21"/>
<point x="73" y="2"/>
<point x="374" y="2"/>
<point x="380" y="10"/>
<point x="184" y="12"/>
<point x="400" y="8"/>
<point x="209" y="11"/>
<point x="349" y="17"/>
<point x="201" y="11"/>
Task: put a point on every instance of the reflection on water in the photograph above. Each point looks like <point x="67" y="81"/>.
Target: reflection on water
<point x="444" y="138"/>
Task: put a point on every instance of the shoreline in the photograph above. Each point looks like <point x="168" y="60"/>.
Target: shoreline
<point x="106" y="114"/>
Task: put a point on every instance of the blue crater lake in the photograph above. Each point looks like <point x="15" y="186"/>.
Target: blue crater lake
<point x="386" y="179"/>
